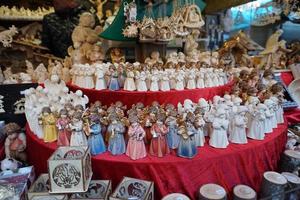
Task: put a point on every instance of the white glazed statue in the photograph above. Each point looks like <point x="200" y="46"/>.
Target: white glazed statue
<point x="218" y="138"/>
<point x="256" y="129"/>
<point x="238" y="126"/>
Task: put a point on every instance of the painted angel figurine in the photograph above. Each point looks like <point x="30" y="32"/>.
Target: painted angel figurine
<point x="136" y="147"/>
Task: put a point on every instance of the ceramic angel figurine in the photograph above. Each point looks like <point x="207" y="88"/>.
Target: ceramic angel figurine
<point x="191" y="83"/>
<point x="179" y="82"/>
<point x="277" y="91"/>
<point x="187" y="147"/>
<point x="200" y="80"/>
<point x="78" y="137"/>
<point x="218" y="138"/>
<point x="269" y="114"/>
<point x="278" y="110"/>
<point x="89" y="77"/>
<point x="199" y="125"/>
<point x="271" y="107"/>
<point x="256" y="128"/>
<point x="159" y="146"/>
<point x="116" y="143"/>
<point x="100" y="80"/>
<point x="63" y="133"/>
<point x="80" y="99"/>
<point x="114" y="75"/>
<point x="48" y="121"/>
<point x="136" y="147"/>
<point x="142" y="85"/>
<point x="172" y="136"/>
<point x="129" y="81"/>
<point x="164" y="83"/>
<point x="15" y="143"/>
<point x="95" y="139"/>
<point x="238" y="126"/>
<point x="154" y="83"/>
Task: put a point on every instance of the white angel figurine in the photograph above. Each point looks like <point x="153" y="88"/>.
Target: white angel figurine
<point x="141" y="85"/>
<point x="191" y="83"/>
<point x="29" y="69"/>
<point x="179" y="82"/>
<point x="256" y="128"/>
<point x="164" y="83"/>
<point x="218" y="138"/>
<point x="100" y="80"/>
<point x="89" y="77"/>
<point x="129" y="81"/>
<point x="154" y="83"/>
<point x="199" y="135"/>
<point x="272" y="106"/>
<point x="80" y="99"/>
<point x="238" y="126"/>
<point x="215" y="78"/>
<point x="278" y="110"/>
<point x="269" y="116"/>
<point x="207" y="80"/>
<point x="200" y="80"/>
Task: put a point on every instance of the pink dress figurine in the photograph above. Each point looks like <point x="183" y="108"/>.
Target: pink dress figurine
<point x="63" y="133"/>
<point x="159" y="146"/>
<point x="136" y="147"/>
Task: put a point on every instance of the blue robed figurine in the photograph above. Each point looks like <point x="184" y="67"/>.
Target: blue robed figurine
<point x="187" y="145"/>
<point x="116" y="143"/>
<point x="95" y="139"/>
<point x="114" y="78"/>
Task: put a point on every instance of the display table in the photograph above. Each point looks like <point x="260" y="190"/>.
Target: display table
<point x="237" y="164"/>
<point x="174" y="97"/>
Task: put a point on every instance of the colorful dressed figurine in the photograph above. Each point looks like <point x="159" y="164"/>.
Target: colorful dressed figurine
<point x="256" y="129"/>
<point x="159" y="146"/>
<point x="218" y="138"/>
<point x="114" y="78"/>
<point x="15" y="143"/>
<point x="136" y="147"/>
<point x="78" y="137"/>
<point x="172" y="136"/>
<point x="48" y="121"/>
<point x="95" y="139"/>
<point x="116" y="143"/>
<point x="238" y="126"/>
<point x="187" y="146"/>
<point x="63" y="133"/>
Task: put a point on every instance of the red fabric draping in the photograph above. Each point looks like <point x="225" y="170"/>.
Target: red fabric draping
<point x="292" y="116"/>
<point x="287" y="77"/>
<point x="227" y="167"/>
<point x="128" y="98"/>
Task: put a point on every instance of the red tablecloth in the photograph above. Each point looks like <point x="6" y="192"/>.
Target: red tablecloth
<point x="128" y="98"/>
<point x="227" y="167"/>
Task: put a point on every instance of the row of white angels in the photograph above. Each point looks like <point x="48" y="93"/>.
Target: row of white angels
<point x="183" y="128"/>
<point x="114" y="77"/>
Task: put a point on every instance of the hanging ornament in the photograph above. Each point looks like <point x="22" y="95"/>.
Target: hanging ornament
<point x="163" y="25"/>
<point x="130" y="14"/>
<point x="147" y="26"/>
<point x="192" y="17"/>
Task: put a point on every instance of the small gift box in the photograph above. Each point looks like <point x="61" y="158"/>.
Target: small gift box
<point x="40" y="189"/>
<point x="98" y="190"/>
<point x="18" y="181"/>
<point x="70" y="170"/>
<point x="131" y="188"/>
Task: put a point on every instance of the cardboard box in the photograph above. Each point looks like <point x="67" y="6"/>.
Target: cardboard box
<point x="20" y="180"/>
<point x="98" y="190"/>
<point x="40" y="189"/>
<point x="131" y="188"/>
<point x="70" y="170"/>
